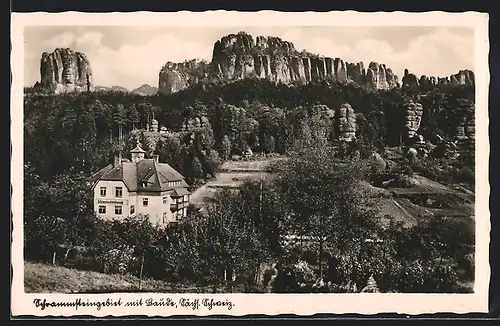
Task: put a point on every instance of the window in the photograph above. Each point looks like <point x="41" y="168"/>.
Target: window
<point x="132" y="209"/>
<point x="103" y="191"/>
<point x="179" y="200"/>
<point x="118" y="191"/>
<point x="145" y="202"/>
<point x="118" y="210"/>
<point x="164" y="217"/>
<point x="164" y="200"/>
<point x="102" y="209"/>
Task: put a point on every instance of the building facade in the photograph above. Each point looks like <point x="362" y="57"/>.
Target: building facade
<point x="141" y="186"/>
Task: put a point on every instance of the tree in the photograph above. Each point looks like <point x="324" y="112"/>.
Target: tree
<point x="119" y="117"/>
<point x="197" y="168"/>
<point x="133" y="116"/>
<point x="225" y="147"/>
<point x="269" y="144"/>
<point x="230" y="240"/>
<point x="55" y="211"/>
<point x="323" y="199"/>
<point x="212" y="162"/>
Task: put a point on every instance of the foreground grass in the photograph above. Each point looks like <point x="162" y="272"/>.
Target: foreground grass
<point x="46" y="278"/>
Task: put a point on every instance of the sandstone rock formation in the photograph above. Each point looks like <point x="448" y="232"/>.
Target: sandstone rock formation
<point x="174" y="77"/>
<point x="410" y="80"/>
<point x="238" y="56"/>
<point x="466" y="128"/>
<point x="413" y="117"/>
<point x="65" y="70"/>
<point x="345" y="123"/>
<point x="463" y="77"/>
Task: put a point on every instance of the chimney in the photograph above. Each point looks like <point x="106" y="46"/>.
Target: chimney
<point x="156" y="158"/>
<point x="117" y="161"/>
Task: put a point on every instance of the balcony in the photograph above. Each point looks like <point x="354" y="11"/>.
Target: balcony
<point x="178" y="206"/>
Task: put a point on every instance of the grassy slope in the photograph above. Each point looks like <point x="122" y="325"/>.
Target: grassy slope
<point x="45" y="278"/>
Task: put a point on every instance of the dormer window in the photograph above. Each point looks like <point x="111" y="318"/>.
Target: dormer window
<point x="144" y="184"/>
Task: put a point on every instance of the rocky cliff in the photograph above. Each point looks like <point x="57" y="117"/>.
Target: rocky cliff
<point x="463" y="77"/>
<point x="345" y="123"/>
<point x="65" y="70"/>
<point x="465" y="128"/>
<point x="174" y="76"/>
<point x="238" y="56"/>
<point x="413" y="117"/>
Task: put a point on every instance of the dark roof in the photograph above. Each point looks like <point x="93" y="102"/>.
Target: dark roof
<point x="180" y="192"/>
<point x="137" y="149"/>
<point x="96" y="176"/>
<point x="146" y="175"/>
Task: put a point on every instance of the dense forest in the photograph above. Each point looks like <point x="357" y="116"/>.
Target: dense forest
<point x="251" y="113"/>
<point x="70" y="136"/>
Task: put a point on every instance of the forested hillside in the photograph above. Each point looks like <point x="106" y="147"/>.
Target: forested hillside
<point x="253" y="113"/>
<point x="68" y="137"/>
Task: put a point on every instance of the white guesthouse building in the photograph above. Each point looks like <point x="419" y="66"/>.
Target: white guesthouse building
<point x="141" y="186"/>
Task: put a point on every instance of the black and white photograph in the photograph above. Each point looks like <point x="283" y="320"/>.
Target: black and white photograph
<point x="184" y="164"/>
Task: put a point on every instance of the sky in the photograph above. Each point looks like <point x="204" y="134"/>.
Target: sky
<point x="130" y="56"/>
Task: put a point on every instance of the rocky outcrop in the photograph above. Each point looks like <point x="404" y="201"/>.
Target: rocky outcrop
<point x="410" y="80"/>
<point x="345" y="123"/>
<point x="466" y="127"/>
<point x="463" y="77"/>
<point x="174" y="77"/>
<point x="65" y="70"/>
<point x="238" y="56"/>
<point x="413" y="117"/>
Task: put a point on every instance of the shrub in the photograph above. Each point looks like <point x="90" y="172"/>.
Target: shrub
<point x="119" y="260"/>
<point x="298" y="277"/>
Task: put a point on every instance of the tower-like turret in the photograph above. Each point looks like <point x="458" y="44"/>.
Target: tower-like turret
<point x="137" y="153"/>
<point x="154" y="125"/>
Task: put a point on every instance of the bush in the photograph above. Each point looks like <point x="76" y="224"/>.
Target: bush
<point x="119" y="260"/>
<point x="298" y="277"/>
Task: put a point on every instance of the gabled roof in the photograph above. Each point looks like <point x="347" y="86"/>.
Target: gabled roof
<point x="138" y="149"/>
<point x="96" y="176"/>
<point x="145" y="175"/>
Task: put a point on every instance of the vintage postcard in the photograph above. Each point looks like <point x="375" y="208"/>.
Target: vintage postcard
<point x="229" y="163"/>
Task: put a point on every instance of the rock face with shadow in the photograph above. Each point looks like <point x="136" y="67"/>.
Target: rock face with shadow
<point x="463" y="77"/>
<point x="345" y="123"/>
<point x="238" y="56"/>
<point x="65" y="70"/>
<point x="413" y="118"/>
